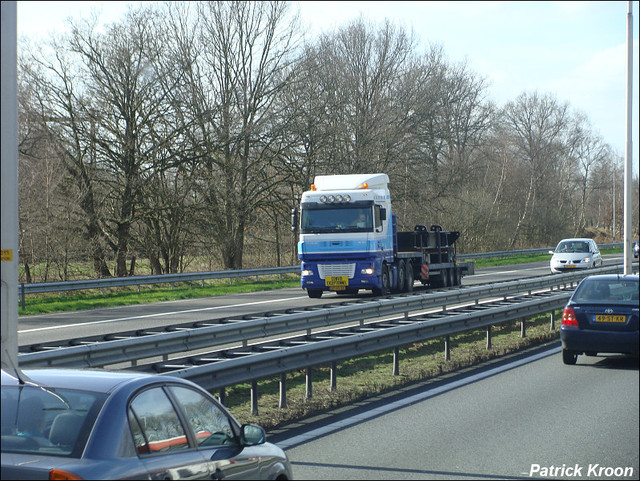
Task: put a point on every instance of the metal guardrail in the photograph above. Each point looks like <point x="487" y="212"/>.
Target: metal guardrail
<point x="486" y="255"/>
<point x="99" y="354"/>
<point x="218" y="375"/>
<point x="63" y="286"/>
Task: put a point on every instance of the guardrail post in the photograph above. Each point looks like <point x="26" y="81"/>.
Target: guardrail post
<point x="22" y="302"/>
<point x="222" y="396"/>
<point x="552" y="326"/>
<point x="333" y="380"/>
<point x="396" y="361"/>
<point x="488" y="337"/>
<point x="308" y="383"/>
<point x="254" y="398"/>
<point x="283" y="391"/>
<point x="523" y="328"/>
<point x="447" y="348"/>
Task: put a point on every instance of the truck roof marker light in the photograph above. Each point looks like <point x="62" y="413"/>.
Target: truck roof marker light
<point x="313" y="187"/>
<point x="331" y="199"/>
<point x="346" y="198"/>
<point x="323" y="198"/>
<point x="364" y="185"/>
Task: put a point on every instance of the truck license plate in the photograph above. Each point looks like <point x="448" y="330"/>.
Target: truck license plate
<point x="605" y="318"/>
<point x="336" y="281"/>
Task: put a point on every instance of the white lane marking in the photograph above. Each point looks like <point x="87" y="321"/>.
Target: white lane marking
<point x="509" y="272"/>
<point x="337" y="426"/>
<point x="161" y="314"/>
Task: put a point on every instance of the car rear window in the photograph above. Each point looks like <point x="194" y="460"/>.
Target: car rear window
<point x="619" y="291"/>
<point x="47" y="421"/>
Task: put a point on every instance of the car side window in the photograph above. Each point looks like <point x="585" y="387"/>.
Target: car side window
<point x="210" y="424"/>
<point x="155" y="425"/>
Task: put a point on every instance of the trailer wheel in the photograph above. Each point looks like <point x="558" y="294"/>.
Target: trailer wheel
<point x="444" y="278"/>
<point x="314" y="293"/>
<point x="409" y="279"/>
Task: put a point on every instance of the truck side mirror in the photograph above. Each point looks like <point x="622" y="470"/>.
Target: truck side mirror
<point x="383" y="214"/>
<point x="294" y="220"/>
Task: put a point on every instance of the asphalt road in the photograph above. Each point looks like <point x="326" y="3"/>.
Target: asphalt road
<point x="67" y="325"/>
<point x="514" y="424"/>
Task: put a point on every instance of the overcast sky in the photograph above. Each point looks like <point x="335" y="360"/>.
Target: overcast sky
<point x="573" y="50"/>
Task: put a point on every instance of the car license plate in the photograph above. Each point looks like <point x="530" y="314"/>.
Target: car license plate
<point x="609" y="318"/>
<point x="569" y="266"/>
<point x="336" y="281"/>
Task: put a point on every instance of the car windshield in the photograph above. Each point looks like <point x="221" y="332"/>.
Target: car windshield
<point x="618" y="291"/>
<point x="337" y="220"/>
<point x="44" y="420"/>
<point x="572" y="247"/>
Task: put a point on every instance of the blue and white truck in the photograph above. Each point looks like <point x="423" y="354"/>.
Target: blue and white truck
<point x="349" y="241"/>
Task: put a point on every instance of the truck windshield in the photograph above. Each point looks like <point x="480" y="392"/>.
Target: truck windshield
<point x="338" y="219"/>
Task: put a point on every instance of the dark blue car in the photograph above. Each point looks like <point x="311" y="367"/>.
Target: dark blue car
<point x="92" y="424"/>
<point x="601" y="317"/>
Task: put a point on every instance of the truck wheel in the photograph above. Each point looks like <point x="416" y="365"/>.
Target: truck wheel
<point x="409" y="279"/>
<point x="402" y="276"/>
<point x="384" y="280"/>
<point x="314" y="293"/>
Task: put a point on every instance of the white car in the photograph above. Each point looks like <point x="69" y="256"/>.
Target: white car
<point x="571" y="254"/>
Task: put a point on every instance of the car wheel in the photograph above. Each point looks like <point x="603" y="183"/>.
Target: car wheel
<point x="569" y="357"/>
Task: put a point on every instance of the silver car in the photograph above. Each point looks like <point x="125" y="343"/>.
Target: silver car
<point x="571" y="254"/>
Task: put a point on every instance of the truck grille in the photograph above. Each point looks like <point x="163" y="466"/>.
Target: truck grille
<point x="336" y="270"/>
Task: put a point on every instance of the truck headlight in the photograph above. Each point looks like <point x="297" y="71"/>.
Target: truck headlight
<point x="306" y="272"/>
<point x="368" y="271"/>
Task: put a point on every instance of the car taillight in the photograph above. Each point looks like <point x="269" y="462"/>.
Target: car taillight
<point x="59" y="474"/>
<point x="569" y="317"/>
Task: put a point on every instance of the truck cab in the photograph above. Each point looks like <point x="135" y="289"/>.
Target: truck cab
<point x="346" y="233"/>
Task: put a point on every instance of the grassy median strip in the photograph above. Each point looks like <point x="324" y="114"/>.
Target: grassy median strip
<point x="371" y="375"/>
<point x="125" y="296"/>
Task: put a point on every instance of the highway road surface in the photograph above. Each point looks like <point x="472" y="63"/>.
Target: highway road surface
<point x="521" y="419"/>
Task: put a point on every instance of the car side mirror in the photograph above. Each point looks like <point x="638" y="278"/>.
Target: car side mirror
<point x="252" y="434"/>
<point x="551" y="252"/>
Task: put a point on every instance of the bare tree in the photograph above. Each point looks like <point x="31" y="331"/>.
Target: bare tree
<point x="537" y="125"/>
<point x="237" y="67"/>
